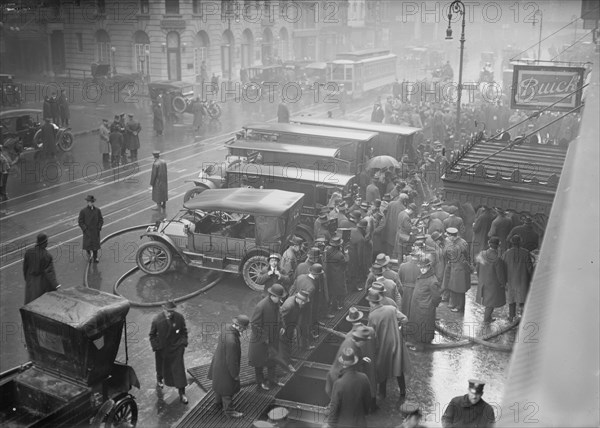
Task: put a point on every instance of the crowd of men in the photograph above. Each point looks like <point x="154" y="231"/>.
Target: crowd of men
<point x="118" y="137"/>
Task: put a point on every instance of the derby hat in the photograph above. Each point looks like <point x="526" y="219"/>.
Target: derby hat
<point x="374" y="296"/>
<point x="356" y="214"/>
<point x="242" y="320"/>
<point x="90" y="198"/>
<point x="377" y="286"/>
<point x="364" y="205"/>
<point x="382" y="259"/>
<point x="41" y="239"/>
<point x="348" y="358"/>
<point x="316" y="269"/>
<point x="336" y="241"/>
<point x="361" y="333"/>
<point x="354" y="315"/>
<point x="275" y="256"/>
<point x="435" y="235"/>
<point x="313" y="254"/>
<point x="277" y="290"/>
<point x="303" y="295"/>
<point x="169" y="306"/>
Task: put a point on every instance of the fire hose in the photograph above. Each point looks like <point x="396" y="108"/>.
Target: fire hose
<point x="135" y="269"/>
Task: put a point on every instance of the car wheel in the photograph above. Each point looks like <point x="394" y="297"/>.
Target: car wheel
<point x="154" y="257"/>
<point x="190" y="194"/>
<point x="125" y="413"/>
<point x="252" y="268"/>
<point x="66" y="142"/>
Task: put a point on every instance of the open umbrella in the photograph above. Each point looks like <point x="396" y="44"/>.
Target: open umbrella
<point x="381" y="162"/>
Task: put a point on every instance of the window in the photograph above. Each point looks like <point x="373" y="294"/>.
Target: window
<point x="79" y="37"/>
<point x="349" y="72"/>
<point x="200" y="54"/>
<point x="145" y="7"/>
<point x="102" y="47"/>
<point x="196" y="7"/>
<point x="172" y="7"/>
<point x="141" y="57"/>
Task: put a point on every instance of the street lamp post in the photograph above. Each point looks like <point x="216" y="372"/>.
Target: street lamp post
<point x="457" y="6"/>
<point x="539" y="11"/>
<point x="147" y="52"/>
<point x="114" y="66"/>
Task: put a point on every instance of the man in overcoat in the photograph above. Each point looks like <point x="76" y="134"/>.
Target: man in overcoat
<point x="115" y="139"/>
<point x="457" y="275"/>
<point x="391" y="360"/>
<point x="312" y="256"/>
<point x="404" y="235"/>
<point x="425" y="299"/>
<point x="158" y="121"/>
<point x="455" y="221"/>
<point x="469" y="410"/>
<point x="225" y="366"/>
<point x="289" y="259"/>
<point x="103" y="141"/>
<point x="501" y="227"/>
<point x="530" y="239"/>
<point x="63" y="108"/>
<point x="351" y="395"/>
<point x="519" y="270"/>
<point x="91" y="221"/>
<point x="159" y="182"/>
<point x="48" y="138"/>
<point x="481" y="227"/>
<point x="491" y="275"/>
<point x="38" y="270"/>
<point x="291" y="312"/>
<point x="264" y="337"/>
<point x="356" y="254"/>
<point x="169" y="338"/>
<point x="132" y="139"/>
<point x="408" y="273"/>
<point x="336" y="261"/>
<point x="394" y="208"/>
<point x="310" y="314"/>
<point x="273" y="274"/>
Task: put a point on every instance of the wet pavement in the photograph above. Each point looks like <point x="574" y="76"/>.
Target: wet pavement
<point x="39" y="204"/>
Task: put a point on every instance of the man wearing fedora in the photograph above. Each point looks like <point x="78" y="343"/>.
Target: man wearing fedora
<point x="336" y="261"/>
<point x="491" y="276"/>
<point x="159" y="182"/>
<point x="501" y="227"/>
<point x="530" y="239"/>
<point x="469" y="410"/>
<point x="291" y="313"/>
<point x="457" y="274"/>
<point x="425" y="299"/>
<point x="372" y="191"/>
<point x="404" y="233"/>
<point x="312" y="256"/>
<point x="385" y="300"/>
<point x="310" y="315"/>
<point x="519" y="271"/>
<point x="225" y="366"/>
<point x="263" y="350"/>
<point x="38" y="270"/>
<point x="168" y="339"/>
<point x="350" y="395"/>
<point x="91" y="221"/>
<point x="273" y="274"/>
<point x="392" y="356"/>
<point x="390" y="223"/>
<point x="289" y="259"/>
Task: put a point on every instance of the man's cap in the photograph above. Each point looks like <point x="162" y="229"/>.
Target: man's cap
<point x="376" y="268"/>
<point x="90" y="198"/>
<point x="275" y="256"/>
<point x="303" y="295"/>
<point x="452" y="231"/>
<point x="316" y="269"/>
<point x="354" y="315"/>
<point x="278" y="414"/>
<point x="295" y="240"/>
<point x="361" y="333"/>
<point x="336" y="241"/>
<point x="452" y="209"/>
<point x="41" y="239"/>
<point x="476" y="386"/>
<point x="242" y="320"/>
<point x="364" y="205"/>
<point x="382" y="259"/>
<point x="313" y="254"/>
<point x="169" y="306"/>
<point x="374" y="296"/>
<point x="277" y="290"/>
<point x="348" y="358"/>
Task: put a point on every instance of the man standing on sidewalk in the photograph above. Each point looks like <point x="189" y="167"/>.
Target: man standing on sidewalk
<point x="159" y="182"/>
<point x="225" y="366"/>
<point x="63" y="109"/>
<point x="38" y="270"/>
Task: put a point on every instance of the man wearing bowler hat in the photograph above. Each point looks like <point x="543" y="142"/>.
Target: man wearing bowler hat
<point x="312" y="256"/>
<point x="310" y="318"/>
<point x="469" y="410"/>
<point x="38" y="270"/>
<point x="264" y="338"/>
<point x="336" y="261"/>
<point x="91" y="221"/>
<point x="169" y="338"/>
<point x="159" y="182"/>
<point x="225" y="366"/>
<point x="291" y="313"/>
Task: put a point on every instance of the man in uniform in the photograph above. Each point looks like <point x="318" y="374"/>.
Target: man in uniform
<point x="159" y="182"/>
<point x="38" y="270"/>
<point x="91" y="221"/>
<point x="225" y="366"/>
<point x="169" y="338"/>
<point x="457" y="274"/>
<point x="469" y="410"/>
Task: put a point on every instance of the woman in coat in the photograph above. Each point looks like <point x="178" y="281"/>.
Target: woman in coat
<point x="425" y="299"/>
<point x="491" y="276"/>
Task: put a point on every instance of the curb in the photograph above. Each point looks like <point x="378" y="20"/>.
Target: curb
<point x="86" y="132"/>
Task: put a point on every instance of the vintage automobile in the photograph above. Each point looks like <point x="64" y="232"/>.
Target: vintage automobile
<point x="181" y="95"/>
<point x="227" y="230"/>
<point x="264" y="80"/>
<point x="21" y="132"/>
<point x="73" y="337"/>
<point x="107" y="81"/>
<point x="11" y="93"/>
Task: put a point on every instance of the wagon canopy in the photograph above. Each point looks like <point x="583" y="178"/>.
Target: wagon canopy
<point x="265" y="202"/>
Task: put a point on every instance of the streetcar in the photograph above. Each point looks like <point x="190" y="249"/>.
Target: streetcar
<point x="362" y="71"/>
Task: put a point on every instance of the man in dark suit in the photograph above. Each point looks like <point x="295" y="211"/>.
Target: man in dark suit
<point x="91" y="221"/>
<point x="469" y="410"/>
<point x="169" y="338"/>
<point x="225" y="366"/>
<point x="291" y="311"/>
<point x="309" y="284"/>
<point x="38" y="270"/>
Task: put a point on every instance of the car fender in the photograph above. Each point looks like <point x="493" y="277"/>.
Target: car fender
<point x="157" y="236"/>
<point x="205" y="182"/>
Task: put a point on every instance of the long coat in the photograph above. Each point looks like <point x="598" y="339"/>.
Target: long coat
<point x="391" y="222"/>
<point x="225" y="366"/>
<point x="501" y="227"/>
<point x="468" y="216"/>
<point x="491" y="276"/>
<point x="350" y="400"/>
<point x="91" y="222"/>
<point x="264" y="333"/>
<point x="48" y="138"/>
<point x="530" y="240"/>
<point x="170" y="337"/>
<point x="391" y="360"/>
<point x="336" y="367"/>
<point x="425" y="299"/>
<point x="116" y="142"/>
<point x="38" y="270"/>
<point x="457" y="273"/>
<point x="103" y="143"/>
<point x="481" y="228"/>
<point x="159" y="181"/>
<point x="311" y="287"/>
<point x="408" y="273"/>
<point x="158" y="122"/>
<point x="291" y="314"/>
<point x="132" y="130"/>
<point x="519" y="268"/>
<point x="336" y="262"/>
<point x="403" y="231"/>
<point x="356" y="254"/>
<point x="460" y="413"/>
<point x="63" y="107"/>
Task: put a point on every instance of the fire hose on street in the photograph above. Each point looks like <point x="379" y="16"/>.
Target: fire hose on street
<point x="130" y="272"/>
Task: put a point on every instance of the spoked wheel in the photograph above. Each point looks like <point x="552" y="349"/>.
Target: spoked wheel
<point x="124" y="414"/>
<point x="153" y="257"/>
<point x="252" y="268"/>
<point x="66" y="141"/>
